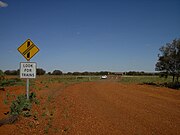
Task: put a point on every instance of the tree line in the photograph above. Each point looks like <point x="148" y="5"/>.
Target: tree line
<point x="41" y="71"/>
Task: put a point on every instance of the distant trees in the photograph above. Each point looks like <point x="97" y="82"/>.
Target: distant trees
<point x="169" y="59"/>
<point x="11" y="72"/>
<point x="103" y="73"/>
<point x="140" y="73"/>
<point x="69" y="73"/>
<point x="49" y="73"/>
<point x="133" y="73"/>
<point x="89" y="73"/>
<point x="57" y="72"/>
<point x="76" y="73"/>
<point x="40" y="71"/>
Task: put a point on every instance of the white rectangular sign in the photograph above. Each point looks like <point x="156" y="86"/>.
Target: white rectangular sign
<point x="27" y="70"/>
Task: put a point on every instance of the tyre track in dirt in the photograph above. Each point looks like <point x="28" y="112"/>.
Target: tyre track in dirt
<point x="114" y="108"/>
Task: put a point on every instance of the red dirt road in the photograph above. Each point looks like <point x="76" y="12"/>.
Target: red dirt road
<point x="103" y="108"/>
<point x="118" y="109"/>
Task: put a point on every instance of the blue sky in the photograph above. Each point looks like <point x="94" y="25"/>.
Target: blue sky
<point x="88" y="35"/>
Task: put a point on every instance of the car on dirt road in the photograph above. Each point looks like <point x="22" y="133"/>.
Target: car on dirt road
<point x="104" y="77"/>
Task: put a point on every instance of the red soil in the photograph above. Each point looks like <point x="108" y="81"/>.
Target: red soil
<point x="98" y="108"/>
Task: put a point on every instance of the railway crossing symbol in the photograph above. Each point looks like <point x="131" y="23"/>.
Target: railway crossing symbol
<point x="28" y="49"/>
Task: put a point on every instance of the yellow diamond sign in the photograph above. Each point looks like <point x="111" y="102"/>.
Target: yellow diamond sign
<point x="28" y="49"/>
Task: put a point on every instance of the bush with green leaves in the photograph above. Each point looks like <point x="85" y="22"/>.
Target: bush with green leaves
<point x="173" y="85"/>
<point x="10" y="82"/>
<point x="23" y="106"/>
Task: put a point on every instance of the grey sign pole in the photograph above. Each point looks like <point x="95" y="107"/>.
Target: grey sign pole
<point x="27" y="88"/>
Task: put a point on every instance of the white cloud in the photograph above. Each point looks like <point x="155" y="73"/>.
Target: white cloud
<point x="3" y="4"/>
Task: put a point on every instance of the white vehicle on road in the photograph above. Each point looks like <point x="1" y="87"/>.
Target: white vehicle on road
<point x="104" y="77"/>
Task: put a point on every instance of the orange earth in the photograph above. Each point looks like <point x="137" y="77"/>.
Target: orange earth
<point x="96" y="108"/>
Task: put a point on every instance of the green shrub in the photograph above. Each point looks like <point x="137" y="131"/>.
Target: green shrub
<point x="10" y="82"/>
<point x="175" y="85"/>
<point x="23" y="106"/>
<point x="5" y="102"/>
<point x="19" y="105"/>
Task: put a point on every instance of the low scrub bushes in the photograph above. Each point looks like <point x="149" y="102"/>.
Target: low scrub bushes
<point x="171" y="85"/>
<point x="23" y="106"/>
<point x="20" y="106"/>
<point x="175" y="85"/>
<point x="9" y="82"/>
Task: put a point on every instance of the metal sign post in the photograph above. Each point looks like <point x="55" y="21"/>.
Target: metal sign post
<point x="28" y="69"/>
<point x="27" y="88"/>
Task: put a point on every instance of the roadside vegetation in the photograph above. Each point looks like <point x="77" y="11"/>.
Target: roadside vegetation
<point x="151" y="80"/>
<point x="8" y="81"/>
<point x="20" y="106"/>
<point x="145" y="79"/>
